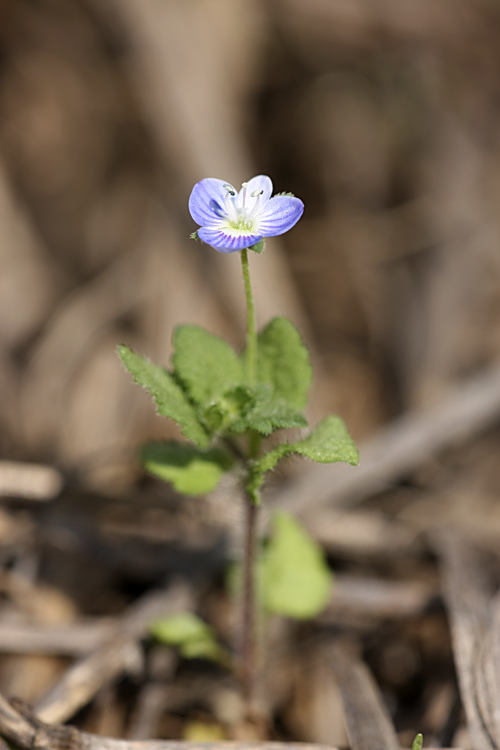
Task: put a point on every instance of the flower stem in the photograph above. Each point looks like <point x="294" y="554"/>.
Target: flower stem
<point x="248" y="653"/>
<point x="248" y="644"/>
<point x="251" y="355"/>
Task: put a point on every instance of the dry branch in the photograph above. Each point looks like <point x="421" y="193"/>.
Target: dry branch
<point x="400" y="448"/>
<point x="369" y="598"/>
<point x="20" y="727"/>
<point x="30" y="481"/>
<point x="82" y="681"/>
<point x="368" y="723"/>
<point x="75" y="639"/>
<point x="474" y="615"/>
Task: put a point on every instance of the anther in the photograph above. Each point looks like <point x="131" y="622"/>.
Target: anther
<point x="230" y="190"/>
<point x="256" y="193"/>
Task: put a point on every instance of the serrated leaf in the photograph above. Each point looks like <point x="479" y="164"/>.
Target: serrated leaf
<point x="283" y="362"/>
<point x="296" y="579"/>
<point x="328" y="443"/>
<point x="190" y="471"/>
<point x="170" y="399"/>
<point x="269" y="417"/>
<point x="204" y="363"/>
<point x="262" y="412"/>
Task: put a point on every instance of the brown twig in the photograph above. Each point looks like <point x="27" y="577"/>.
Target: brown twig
<point x="368" y="723"/>
<point x="82" y="681"/>
<point x="475" y="617"/>
<point x="31" y="481"/>
<point x="75" y="639"/>
<point x="25" y="731"/>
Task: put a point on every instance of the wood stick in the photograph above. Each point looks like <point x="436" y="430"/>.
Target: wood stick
<point x="27" y="732"/>
<point x="356" y="22"/>
<point x="29" y="481"/>
<point x="375" y="598"/>
<point x="368" y="723"/>
<point x="398" y="449"/>
<point x="68" y="640"/>
<point x="20" y="727"/>
<point x="82" y="681"/>
<point x="475" y="617"/>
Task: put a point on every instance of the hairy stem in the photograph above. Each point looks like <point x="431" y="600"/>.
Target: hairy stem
<point x="251" y="355"/>
<point x="248" y="646"/>
<point x="248" y="653"/>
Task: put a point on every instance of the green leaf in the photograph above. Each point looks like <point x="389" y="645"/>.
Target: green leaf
<point x="170" y="399"/>
<point x="193" y="637"/>
<point x="180" y="628"/>
<point x="259" y="247"/>
<point x="205" y="364"/>
<point x="296" y="579"/>
<point x="283" y="362"/>
<point x="191" y="471"/>
<point x="328" y="443"/>
<point x="262" y="412"/>
<point x="229" y="408"/>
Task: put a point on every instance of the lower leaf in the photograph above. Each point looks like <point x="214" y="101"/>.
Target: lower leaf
<point x="189" y="470"/>
<point x="296" y="579"/>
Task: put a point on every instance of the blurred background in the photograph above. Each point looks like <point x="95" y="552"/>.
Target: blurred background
<point x="383" y="119"/>
<point x="382" y="116"/>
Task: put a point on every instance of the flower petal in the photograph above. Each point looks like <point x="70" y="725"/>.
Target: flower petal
<point x="226" y="241"/>
<point x="206" y="202"/>
<point x="279" y="215"/>
<point x="261" y="182"/>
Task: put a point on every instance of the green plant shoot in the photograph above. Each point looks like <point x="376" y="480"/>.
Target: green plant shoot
<point x="226" y="404"/>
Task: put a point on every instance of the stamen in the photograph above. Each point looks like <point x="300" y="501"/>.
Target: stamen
<point x="257" y="194"/>
<point x="230" y="190"/>
<point x="230" y="205"/>
<point x="244" y="186"/>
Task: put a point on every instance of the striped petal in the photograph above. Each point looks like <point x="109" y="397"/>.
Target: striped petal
<point x="206" y="202"/>
<point x="227" y="240"/>
<point x="279" y="215"/>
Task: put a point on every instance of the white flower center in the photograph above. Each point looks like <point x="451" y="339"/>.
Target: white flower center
<point x="242" y="210"/>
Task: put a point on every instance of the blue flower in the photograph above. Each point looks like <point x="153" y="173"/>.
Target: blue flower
<point x="230" y="220"/>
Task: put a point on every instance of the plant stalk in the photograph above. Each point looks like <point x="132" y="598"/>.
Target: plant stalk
<point x="251" y="354"/>
<point x="248" y="647"/>
<point x="248" y="653"/>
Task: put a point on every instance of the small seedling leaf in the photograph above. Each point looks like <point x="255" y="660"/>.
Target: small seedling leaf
<point x="296" y="579"/>
<point x="193" y="637"/>
<point x="180" y="628"/>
